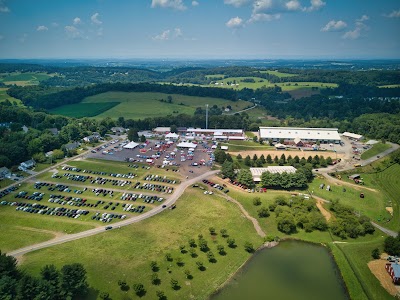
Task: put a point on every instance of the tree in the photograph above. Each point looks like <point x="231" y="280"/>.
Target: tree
<point x="182" y="248"/>
<point x="105" y="296"/>
<point x="73" y="280"/>
<point x="221" y="249"/>
<point x="376" y="254"/>
<point x="142" y="139"/>
<point x="192" y="243"/>
<point x="220" y="156"/>
<point x="247" y="161"/>
<point x="192" y="252"/>
<point x="27" y="287"/>
<point x="168" y="257"/>
<point x="269" y="159"/>
<point x="160" y="295"/>
<point x="188" y="274"/>
<point x="154" y="266"/>
<point x="245" y="177"/>
<point x="133" y="135"/>
<point x="391" y="245"/>
<point x="200" y="265"/>
<point x="52" y="276"/>
<point x="329" y="160"/>
<point x="139" y="289"/>
<point x="231" y="243"/>
<point x="248" y="247"/>
<point x="212" y="230"/>
<point x="211" y="257"/>
<point x="228" y="170"/>
<point x="58" y="154"/>
<point x="263" y="212"/>
<point x="155" y="279"/>
<point x="174" y="128"/>
<point x="224" y="232"/>
<point x="286" y="223"/>
<point x="262" y="159"/>
<point x="256" y="201"/>
<point x="255" y="157"/>
<point x="180" y="262"/>
<point x="123" y="285"/>
<point x="239" y="157"/>
<point x="203" y="245"/>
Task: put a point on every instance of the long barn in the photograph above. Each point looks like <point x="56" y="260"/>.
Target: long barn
<point x="307" y="135"/>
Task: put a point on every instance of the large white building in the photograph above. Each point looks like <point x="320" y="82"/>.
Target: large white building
<point x="218" y="134"/>
<point x="257" y="172"/>
<point x="305" y="135"/>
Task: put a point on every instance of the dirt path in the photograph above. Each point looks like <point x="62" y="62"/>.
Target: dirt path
<point x="327" y="215"/>
<point x="256" y="225"/>
<point x="377" y="268"/>
<point x="341" y="182"/>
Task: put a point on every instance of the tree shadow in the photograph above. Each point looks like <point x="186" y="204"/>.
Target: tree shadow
<point x="92" y="294"/>
<point x="125" y="288"/>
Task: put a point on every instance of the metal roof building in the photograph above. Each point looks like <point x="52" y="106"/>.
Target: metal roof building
<point x="323" y="135"/>
<point x="353" y="136"/>
<point x="257" y="172"/>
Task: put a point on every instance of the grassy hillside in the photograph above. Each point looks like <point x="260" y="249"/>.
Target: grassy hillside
<point x="142" y="105"/>
<point x="375" y="150"/>
<point x="4" y="96"/>
<point x="23" y="79"/>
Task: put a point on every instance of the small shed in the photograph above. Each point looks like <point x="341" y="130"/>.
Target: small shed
<point x="354" y="176"/>
<point x="298" y="142"/>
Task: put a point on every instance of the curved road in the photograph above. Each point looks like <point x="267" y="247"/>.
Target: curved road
<point x="178" y="192"/>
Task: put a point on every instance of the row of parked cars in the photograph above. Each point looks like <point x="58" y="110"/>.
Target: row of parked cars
<point x="146" y="198"/>
<point x="131" y="208"/>
<point x="35" y="208"/>
<point x="35" y="196"/>
<point x="160" y="179"/>
<point x="103" y="192"/>
<point x="214" y="185"/>
<point x="154" y="187"/>
<point x="107" y="217"/>
<point x="118" y="175"/>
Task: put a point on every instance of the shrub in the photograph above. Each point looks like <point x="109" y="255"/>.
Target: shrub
<point x="263" y="212"/>
<point x="376" y="254"/>
<point x="249" y="247"/>
<point x="256" y="201"/>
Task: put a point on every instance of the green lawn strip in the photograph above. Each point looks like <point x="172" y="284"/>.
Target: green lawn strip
<point x="13" y="237"/>
<point x="375" y="150"/>
<point x="237" y="146"/>
<point x="359" y="254"/>
<point x="142" y="105"/>
<point x="250" y="134"/>
<point x="352" y="283"/>
<point x="80" y="110"/>
<point x="126" y="253"/>
<point x="6" y="182"/>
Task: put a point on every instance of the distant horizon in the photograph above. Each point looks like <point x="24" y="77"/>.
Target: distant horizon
<point x="188" y="29"/>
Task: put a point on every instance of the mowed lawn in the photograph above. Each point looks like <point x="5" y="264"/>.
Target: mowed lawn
<point x="143" y="105"/>
<point x="126" y="253"/>
<point x="375" y="150"/>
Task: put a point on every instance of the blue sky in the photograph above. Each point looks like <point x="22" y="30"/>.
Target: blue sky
<point x="200" y="29"/>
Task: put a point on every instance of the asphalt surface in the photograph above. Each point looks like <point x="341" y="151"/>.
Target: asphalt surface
<point x="72" y="237"/>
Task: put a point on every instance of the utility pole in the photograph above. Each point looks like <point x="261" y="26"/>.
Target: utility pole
<point x="206" y="116"/>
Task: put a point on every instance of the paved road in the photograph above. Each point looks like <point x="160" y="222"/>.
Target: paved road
<point x="240" y="111"/>
<point x="178" y="192"/>
<point x="385" y="230"/>
<point x="382" y="154"/>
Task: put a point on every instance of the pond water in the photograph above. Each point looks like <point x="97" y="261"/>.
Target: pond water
<point x="292" y="270"/>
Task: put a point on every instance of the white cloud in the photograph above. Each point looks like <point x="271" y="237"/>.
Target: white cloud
<point x="77" y="21"/>
<point x="73" y="32"/>
<point x="363" y="18"/>
<point x="174" y="4"/>
<point x="315" y="5"/>
<point x="195" y="3"/>
<point x="234" y="23"/>
<point x="3" y="7"/>
<point x="95" y="19"/>
<point x="168" y="35"/>
<point x="263" y="17"/>
<point x="237" y="3"/>
<point x="358" y="30"/>
<point x="393" y="14"/>
<point x="334" y="26"/>
<point x="293" y="5"/>
<point x="42" y="28"/>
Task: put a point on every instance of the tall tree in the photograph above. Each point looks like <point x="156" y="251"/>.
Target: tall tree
<point x="73" y="280"/>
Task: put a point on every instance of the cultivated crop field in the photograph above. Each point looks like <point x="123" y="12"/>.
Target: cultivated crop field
<point x="126" y="253"/>
<point x="142" y="105"/>
<point x="81" y="110"/>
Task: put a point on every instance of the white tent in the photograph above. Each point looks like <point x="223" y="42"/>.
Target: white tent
<point x="186" y="145"/>
<point x="131" y="145"/>
<point x="172" y="135"/>
<point x="280" y="146"/>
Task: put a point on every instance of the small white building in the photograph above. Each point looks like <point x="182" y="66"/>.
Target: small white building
<point x="257" y="172"/>
<point x="172" y="136"/>
<point x="186" y="145"/>
<point x="353" y="136"/>
<point x="162" y="130"/>
<point x="131" y="145"/>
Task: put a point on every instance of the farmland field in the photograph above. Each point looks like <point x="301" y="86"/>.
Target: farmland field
<point x="23" y="79"/>
<point x="81" y="110"/>
<point x="279" y="74"/>
<point x="4" y="96"/>
<point x="142" y="105"/>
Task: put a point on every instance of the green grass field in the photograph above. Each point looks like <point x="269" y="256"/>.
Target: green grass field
<point x="142" y="105"/>
<point x="23" y="79"/>
<point x="4" y="96"/>
<point x="279" y="74"/>
<point x="237" y="146"/>
<point x="126" y="253"/>
<point x="81" y="110"/>
<point x="375" y="150"/>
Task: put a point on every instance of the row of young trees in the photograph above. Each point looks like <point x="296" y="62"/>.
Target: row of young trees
<point x="53" y="284"/>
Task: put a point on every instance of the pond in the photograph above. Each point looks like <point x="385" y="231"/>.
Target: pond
<point x="292" y="270"/>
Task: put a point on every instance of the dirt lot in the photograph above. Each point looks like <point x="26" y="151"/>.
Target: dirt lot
<point x="323" y="211"/>
<point x="293" y="153"/>
<point x="377" y="268"/>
